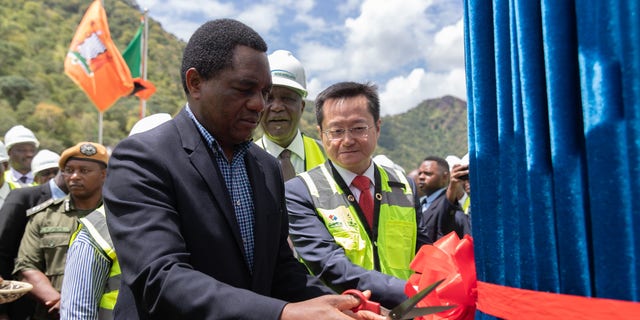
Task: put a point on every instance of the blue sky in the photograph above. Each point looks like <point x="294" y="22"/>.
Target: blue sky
<point x="412" y="49"/>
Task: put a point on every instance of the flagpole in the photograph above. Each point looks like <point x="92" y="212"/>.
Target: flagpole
<point x="100" y="127"/>
<point x="143" y="102"/>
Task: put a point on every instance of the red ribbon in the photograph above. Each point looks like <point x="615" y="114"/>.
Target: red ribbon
<point x="451" y="258"/>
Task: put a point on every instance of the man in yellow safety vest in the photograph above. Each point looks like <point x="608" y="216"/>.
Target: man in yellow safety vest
<point x="353" y="222"/>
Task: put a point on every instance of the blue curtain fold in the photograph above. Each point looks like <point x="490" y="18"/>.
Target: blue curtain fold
<point x="554" y="144"/>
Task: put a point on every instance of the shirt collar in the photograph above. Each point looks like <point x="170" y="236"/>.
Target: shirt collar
<point x="211" y="140"/>
<point x="296" y="146"/>
<point x="17" y="175"/>
<point x="56" y="192"/>
<point x="348" y="176"/>
<point x="433" y="196"/>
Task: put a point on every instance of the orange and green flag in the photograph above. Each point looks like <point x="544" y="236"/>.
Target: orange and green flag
<point x="94" y="62"/>
<point x="133" y="53"/>
<point x="143" y="88"/>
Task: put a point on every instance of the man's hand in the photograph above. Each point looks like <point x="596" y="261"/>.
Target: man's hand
<point x="455" y="190"/>
<point x="328" y="307"/>
<point x="53" y="307"/>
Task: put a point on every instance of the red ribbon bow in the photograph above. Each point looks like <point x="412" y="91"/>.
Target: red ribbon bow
<point x="449" y="258"/>
<point x="452" y="258"/>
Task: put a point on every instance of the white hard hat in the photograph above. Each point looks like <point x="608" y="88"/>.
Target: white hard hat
<point x="287" y="71"/>
<point x="452" y="160"/>
<point x="19" y="134"/>
<point x="44" y="159"/>
<point x="381" y="159"/>
<point x="149" y="122"/>
<point x="4" y="156"/>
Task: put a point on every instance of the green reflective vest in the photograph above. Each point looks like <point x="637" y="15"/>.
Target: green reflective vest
<point x="96" y="224"/>
<point x="313" y="152"/>
<point x="394" y="248"/>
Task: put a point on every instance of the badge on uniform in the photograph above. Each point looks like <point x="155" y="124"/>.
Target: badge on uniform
<point x="88" y="149"/>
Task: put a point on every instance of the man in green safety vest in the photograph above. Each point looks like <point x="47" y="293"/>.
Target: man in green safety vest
<point x="43" y="249"/>
<point x="354" y="222"/>
<point x="281" y="118"/>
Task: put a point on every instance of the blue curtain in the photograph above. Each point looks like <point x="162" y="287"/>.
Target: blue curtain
<point x="554" y="136"/>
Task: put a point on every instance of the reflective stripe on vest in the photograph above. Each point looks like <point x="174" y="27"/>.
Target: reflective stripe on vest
<point x="96" y="224"/>
<point x="313" y="152"/>
<point x="397" y="226"/>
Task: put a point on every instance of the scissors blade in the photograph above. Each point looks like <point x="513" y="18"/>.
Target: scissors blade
<point x="402" y="309"/>
<point x="417" y="312"/>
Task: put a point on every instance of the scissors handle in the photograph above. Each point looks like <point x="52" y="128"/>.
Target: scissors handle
<point x="365" y="304"/>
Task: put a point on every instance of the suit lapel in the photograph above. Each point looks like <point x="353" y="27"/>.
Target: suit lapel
<point x="204" y="162"/>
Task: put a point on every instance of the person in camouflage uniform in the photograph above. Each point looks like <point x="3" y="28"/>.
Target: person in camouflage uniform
<point x="43" y="249"/>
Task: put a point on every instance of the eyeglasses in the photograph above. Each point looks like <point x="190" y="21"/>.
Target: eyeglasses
<point x="339" y="134"/>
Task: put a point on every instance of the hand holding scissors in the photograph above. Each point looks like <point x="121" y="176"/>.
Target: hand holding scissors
<point x="405" y="310"/>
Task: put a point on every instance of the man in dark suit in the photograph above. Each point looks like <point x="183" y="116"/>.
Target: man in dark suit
<point x="196" y="210"/>
<point x="13" y="219"/>
<point x="440" y="209"/>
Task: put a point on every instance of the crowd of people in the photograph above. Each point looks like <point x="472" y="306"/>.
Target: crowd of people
<point x="188" y="218"/>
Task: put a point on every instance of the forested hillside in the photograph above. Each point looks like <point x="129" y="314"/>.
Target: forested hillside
<point x="34" y="90"/>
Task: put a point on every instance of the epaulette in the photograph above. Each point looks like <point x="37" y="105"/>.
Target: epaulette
<point x="43" y="206"/>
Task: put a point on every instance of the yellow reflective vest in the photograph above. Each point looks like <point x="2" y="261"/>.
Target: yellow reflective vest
<point x="96" y="224"/>
<point x="313" y="152"/>
<point x="393" y="249"/>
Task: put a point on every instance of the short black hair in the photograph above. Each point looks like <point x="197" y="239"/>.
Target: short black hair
<point x="210" y="48"/>
<point x="442" y="163"/>
<point x="349" y="90"/>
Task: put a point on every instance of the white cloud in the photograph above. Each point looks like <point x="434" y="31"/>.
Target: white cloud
<point x="181" y="19"/>
<point x="403" y="93"/>
<point x="386" y="35"/>
<point x="262" y="17"/>
<point x="447" y="50"/>
<point x="413" y="49"/>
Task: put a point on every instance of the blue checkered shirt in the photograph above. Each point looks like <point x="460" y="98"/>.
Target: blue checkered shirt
<point x="237" y="181"/>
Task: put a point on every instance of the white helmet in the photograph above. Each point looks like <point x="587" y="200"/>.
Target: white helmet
<point x="19" y="134"/>
<point x="149" y="122"/>
<point x="381" y="159"/>
<point x="287" y="71"/>
<point x="44" y="159"/>
<point x="4" y="156"/>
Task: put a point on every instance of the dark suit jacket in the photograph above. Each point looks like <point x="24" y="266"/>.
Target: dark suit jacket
<point x="13" y="219"/>
<point x="442" y="217"/>
<point x="177" y="239"/>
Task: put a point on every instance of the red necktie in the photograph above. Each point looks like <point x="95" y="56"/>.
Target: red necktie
<point x="366" y="200"/>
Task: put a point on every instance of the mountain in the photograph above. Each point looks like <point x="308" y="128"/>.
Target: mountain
<point x="35" y="92"/>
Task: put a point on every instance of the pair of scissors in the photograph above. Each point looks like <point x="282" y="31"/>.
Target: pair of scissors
<point x="405" y="310"/>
